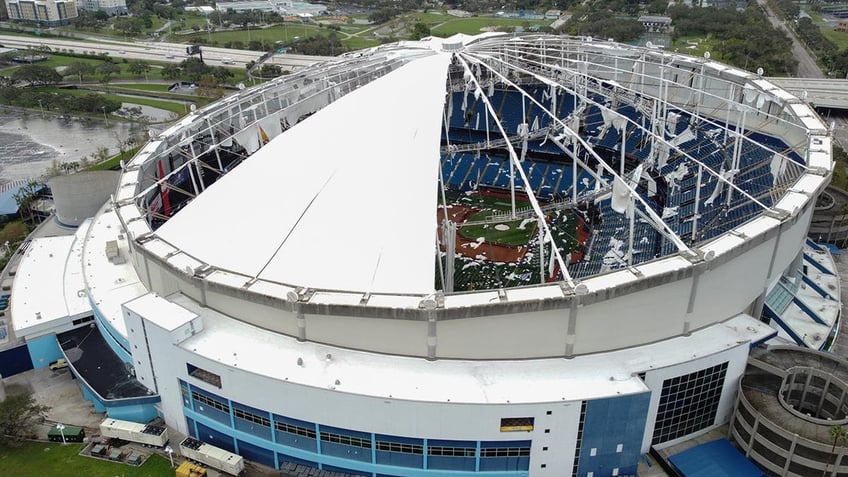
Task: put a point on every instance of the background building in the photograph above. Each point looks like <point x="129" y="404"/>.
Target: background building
<point x="44" y="12"/>
<point x="112" y="7"/>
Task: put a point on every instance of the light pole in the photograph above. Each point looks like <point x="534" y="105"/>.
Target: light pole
<point x="41" y="107"/>
<point x="170" y="452"/>
<point x="103" y="108"/>
<point x="61" y="428"/>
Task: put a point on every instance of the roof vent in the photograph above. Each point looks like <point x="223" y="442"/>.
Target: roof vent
<point x="453" y="45"/>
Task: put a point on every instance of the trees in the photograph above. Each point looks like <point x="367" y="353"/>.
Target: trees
<point x="138" y="67"/>
<point x="106" y="70"/>
<point x="171" y="71"/>
<point x="269" y="70"/>
<point x="25" y="197"/>
<point x="18" y="414"/>
<point x="194" y="69"/>
<point x="36" y="75"/>
<point x="419" y="31"/>
<point x="80" y="69"/>
<point x="129" y="26"/>
<point x="837" y="436"/>
<point x="222" y="74"/>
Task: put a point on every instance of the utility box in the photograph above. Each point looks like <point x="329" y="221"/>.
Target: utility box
<point x="187" y="469"/>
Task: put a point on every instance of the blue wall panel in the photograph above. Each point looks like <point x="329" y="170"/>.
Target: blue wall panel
<point x="90" y="396"/>
<point x="118" y="343"/>
<point x="332" y="468"/>
<point x="141" y="413"/>
<point x="614" y="429"/>
<point x="217" y="439"/>
<point x="15" y="361"/>
<point x="256" y="453"/>
<point x="209" y="410"/>
<point x="283" y="458"/>
<point x="451" y="463"/>
<point x="400" y="459"/>
<point x="192" y="431"/>
<point x="335" y="455"/>
<point x="44" y="350"/>
<point x="294" y="440"/>
<point x="346" y="452"/>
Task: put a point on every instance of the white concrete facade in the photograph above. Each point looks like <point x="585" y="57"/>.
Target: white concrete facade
<point x="583" y="361"/>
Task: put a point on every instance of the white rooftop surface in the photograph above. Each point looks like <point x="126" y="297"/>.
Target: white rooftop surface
<point x="331" y="179"/>
<point x="49" y="283"/>
<point x="109" y="285"/>
<point x="160" y="312"/>
<point x="525" y="381"/>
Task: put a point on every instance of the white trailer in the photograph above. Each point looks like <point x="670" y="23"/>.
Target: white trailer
<point x="212" y="456"/>
<point x="156" y="436"/>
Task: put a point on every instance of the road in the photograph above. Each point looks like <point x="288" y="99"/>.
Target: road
<point x="807" y="67"/>
<point x="159" y="51"/>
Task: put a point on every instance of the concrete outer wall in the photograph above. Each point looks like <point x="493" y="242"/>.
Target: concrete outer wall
<point x="376" y="414"/>
<point x="747" y="430"/>
<point x="159" y="358"/>
<point x="79" y="196"/>
<point x="647" y="310"/>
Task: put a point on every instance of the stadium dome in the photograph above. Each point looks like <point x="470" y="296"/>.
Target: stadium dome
<point x="531" y="255"/>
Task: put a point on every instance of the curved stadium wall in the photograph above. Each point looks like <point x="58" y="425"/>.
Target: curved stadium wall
<point x="479" y="379"/>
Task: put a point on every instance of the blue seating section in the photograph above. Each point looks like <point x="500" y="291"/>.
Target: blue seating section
<point x="614" y="227"/>
<point x="550" y="173"/>
<point x="465" y="171"/>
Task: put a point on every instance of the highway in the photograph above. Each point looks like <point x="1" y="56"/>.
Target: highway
<point x="159" y="51"/>
<point x="820" y="92"/>
<point x="807" y="67"/>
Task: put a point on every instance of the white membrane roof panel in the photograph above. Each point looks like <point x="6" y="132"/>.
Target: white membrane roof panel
<point x="345" y="200"/>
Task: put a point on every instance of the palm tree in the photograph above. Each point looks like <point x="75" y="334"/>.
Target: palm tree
<point x="837" y="435"/>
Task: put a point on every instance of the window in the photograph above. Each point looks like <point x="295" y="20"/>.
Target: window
<point x="203" y="399"/>
<point x="688" y="403"/>
<point x="400" y="448"/>
<point x="452" y="451"/>
<point x="292" y="429"/>
<point x="203" y="375"/>
<point x="517" y="424"/>
<point x="80" y="321"/>
<point x="345" y="440"/>
<point x="249" y="416"/>
<point x="505" y="452"/>
<point x="579" y="442"/>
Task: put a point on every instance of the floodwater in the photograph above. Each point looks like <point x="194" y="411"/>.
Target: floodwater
<point x="29" y="143"/>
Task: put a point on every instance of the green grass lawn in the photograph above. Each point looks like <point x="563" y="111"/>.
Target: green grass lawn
<point x="177" y="108"/>
<point x="839" y="38"/>
<point x="513" y="235"/>
<point x="358" y="42"/>
<point x="154" y="87"/>
<point x="36" y="459"/>
<point x="283" y="33"/>
<point x="474" y="25"/>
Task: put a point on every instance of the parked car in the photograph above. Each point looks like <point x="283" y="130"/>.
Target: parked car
<point x="60" y="363"/>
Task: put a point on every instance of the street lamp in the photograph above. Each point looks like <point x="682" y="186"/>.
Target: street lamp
<point x="170" y="452"/>
<point x="61" y="428"/>
<point x="40" y="106"/>
<point x="104" y="114"/>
